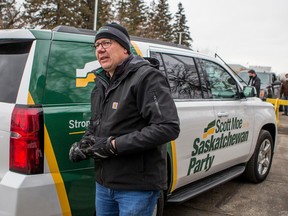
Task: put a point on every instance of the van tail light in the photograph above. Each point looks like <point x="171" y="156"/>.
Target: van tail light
<point x="27" y="140"/>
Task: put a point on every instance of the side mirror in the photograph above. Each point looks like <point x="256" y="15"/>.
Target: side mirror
<point x="249" y="91"/>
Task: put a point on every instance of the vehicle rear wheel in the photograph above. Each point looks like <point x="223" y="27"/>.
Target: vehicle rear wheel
<point x="159" y="208"/>
<point x="259" y="164"/>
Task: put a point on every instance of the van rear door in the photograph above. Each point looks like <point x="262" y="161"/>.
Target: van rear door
<point x="13" y="56"/>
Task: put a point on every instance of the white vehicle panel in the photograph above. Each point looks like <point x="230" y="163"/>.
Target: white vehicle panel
<point x="23" y="91"/>
<point x="16" y="33"/>
<point x="5" y="116"/>
<point x="29" y="201"/>
<point x="193" y="116"/>
<point x="234" y="120"/>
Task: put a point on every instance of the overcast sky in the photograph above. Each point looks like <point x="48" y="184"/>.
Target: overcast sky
<point x="247" y="32"/>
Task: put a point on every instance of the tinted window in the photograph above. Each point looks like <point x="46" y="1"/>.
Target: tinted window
<point x="183" y="77"/>
<point x="61" y="81"/>
<point x="13" y="57"/>
<point x="244" y="77"/>
<point x="206" y="91"/>
<point x="222" y="85"/>
<point x="158" y="57"/>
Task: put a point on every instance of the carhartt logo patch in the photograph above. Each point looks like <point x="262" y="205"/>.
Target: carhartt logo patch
<point x="115" y="105"/>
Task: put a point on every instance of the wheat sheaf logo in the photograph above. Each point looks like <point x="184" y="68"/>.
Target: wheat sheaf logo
<point x="210" y="129"/>
<point x="86" y="74"/>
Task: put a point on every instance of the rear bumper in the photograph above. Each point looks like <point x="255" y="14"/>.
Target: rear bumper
<point x="28" y="195"/>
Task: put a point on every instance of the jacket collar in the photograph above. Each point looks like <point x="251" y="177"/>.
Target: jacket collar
<point x="129" y="65"/>
<point x="121" y="68"/>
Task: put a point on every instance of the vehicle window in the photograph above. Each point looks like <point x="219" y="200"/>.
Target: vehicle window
<point x="13" y="57"/>
<point x="222" y="85"/>
<point x="244" y="76"/>
<point x="64" y="60"/>
<point x="158" y="57"/>
<point x="206" y="91"/>
<point x="182" y="76"/>
<point x="264" y="77"/>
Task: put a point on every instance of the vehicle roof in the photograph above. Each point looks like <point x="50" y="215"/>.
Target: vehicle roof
<point x="87" y="35"/>
<point x="16" y="34"/>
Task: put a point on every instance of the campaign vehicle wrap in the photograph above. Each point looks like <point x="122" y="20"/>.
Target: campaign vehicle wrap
<point x="45" y="108"/>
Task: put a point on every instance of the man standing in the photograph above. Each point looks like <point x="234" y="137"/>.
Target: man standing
<point x="284" y="92"/>
<point x="132" y="117"/>
<point x="254" y="81"/>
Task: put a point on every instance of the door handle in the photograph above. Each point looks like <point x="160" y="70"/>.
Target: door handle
<point x="222" y="114"/>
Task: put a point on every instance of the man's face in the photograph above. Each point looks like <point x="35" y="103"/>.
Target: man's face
<point x="250" y="74"/>
<point x="110" y="54"/>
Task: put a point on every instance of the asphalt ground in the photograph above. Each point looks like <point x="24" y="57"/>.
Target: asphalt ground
<point x="240" y="198"/>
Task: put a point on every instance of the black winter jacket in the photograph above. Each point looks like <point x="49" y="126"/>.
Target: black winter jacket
<point x="136" y="107"/>
<point x="256" y="82"/>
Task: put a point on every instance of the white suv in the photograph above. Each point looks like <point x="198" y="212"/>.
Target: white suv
<point x="45" y="87"/>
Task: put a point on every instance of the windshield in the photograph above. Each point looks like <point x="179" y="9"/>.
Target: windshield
<point x="13" y="56"/>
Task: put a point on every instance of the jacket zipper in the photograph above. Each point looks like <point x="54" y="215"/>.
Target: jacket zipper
<point x="106" y="93"/>
<point x="105" y="83"/>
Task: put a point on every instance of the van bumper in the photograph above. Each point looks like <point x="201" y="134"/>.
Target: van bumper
<point x="28" y="195"/>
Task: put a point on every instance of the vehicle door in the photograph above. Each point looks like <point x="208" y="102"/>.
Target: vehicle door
<point x="66" y="106"/>
<point x="188" y="89"/>
<point x="231" y="141"/>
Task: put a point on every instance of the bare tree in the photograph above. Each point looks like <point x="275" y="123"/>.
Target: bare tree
<point x="10" y="15"/>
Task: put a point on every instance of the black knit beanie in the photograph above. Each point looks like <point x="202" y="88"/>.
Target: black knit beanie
<point x="116" y="32"/>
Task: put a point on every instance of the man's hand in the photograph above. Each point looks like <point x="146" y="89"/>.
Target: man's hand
<point x="76" y="151"/>
<point x="102" y="148"/>
<point x="87" y="141"/>
<point x="92" y="147"/>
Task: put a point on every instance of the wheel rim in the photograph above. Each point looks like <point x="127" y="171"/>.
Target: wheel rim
<point x="264" y="157"/>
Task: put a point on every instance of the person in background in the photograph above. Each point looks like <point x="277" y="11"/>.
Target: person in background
<point x="284" y="93"/>
<point x="254" y="80"/>
<point x="133" y="116"/>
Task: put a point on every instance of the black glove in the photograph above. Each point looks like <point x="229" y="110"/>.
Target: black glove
<point x="76" y="151"/>
<point x="87" y="141"/>
<point x="102" y="148"/>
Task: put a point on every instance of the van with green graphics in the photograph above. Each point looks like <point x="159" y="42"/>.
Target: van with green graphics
<point x="46" y="77"/>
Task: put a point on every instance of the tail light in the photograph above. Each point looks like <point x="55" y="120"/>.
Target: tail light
<point x="26" y="140"/>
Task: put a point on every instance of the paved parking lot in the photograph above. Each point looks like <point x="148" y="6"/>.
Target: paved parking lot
<point x="237" y="197"/>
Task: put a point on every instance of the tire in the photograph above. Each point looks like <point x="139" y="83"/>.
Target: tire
<point x="158" y="211"/>
<point x="258" y="167"/>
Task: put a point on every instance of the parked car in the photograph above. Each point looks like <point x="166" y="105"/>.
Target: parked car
<point x="270" y="85"/>
<point x="45" y="85"/>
